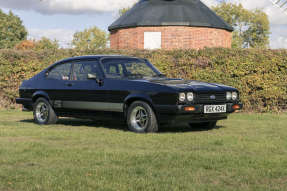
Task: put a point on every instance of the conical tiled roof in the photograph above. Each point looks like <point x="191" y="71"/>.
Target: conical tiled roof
<point x="170" y="13"/>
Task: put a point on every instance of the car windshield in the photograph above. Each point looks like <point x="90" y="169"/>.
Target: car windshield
<point x="129" y="68"/>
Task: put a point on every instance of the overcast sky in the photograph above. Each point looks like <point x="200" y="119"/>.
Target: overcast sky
<point x="59" y="19"/>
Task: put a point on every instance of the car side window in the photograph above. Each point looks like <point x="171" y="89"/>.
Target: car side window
<point x="61" y="72"/>
<point x="82" y="69"/>
<point x="113" y="68"/>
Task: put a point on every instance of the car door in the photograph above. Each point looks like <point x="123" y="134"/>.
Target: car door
<point x="87" y="90"/>
<point x="118" y="88"/>
<point x="57" y="84"/>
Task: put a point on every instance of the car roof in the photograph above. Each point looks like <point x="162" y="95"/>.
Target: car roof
<point x="89" y="57"/>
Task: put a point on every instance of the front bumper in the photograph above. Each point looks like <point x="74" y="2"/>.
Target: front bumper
<point x="26" y="102"/>
<point x="177" y="113"/>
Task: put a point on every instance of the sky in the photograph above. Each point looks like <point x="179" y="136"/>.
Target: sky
<point x="60" y="19"/>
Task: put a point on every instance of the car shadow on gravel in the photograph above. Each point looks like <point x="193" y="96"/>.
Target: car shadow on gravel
<point x="114" y="124"/>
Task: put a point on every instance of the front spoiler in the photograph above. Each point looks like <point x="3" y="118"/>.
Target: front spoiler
<point x="26" y="102"/>
<point x="177" y="114"/>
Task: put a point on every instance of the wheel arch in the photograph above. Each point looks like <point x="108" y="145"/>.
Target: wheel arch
<point x="132" y="98"/>
<point x="39" y="94"/>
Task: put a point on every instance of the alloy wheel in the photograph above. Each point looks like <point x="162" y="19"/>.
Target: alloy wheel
<point x="42" y="112"/>
<point x="139" y="118"/>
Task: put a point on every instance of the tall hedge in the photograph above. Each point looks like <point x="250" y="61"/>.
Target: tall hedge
<point x="260" y="75"/>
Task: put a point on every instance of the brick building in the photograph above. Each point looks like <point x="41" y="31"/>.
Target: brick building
<point x="170" y="24"/>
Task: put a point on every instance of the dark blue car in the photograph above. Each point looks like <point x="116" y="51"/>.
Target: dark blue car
<point x="119" y="86"/>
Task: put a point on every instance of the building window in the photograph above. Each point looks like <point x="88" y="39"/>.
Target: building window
<point x="152" y="40"/>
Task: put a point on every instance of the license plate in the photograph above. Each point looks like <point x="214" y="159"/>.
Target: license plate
<point x="215" y="109"/>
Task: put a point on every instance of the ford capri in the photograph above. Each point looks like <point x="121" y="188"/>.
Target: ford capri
<point x="130" y="88"/>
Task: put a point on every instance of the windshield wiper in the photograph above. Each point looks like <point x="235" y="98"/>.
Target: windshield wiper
<point x="135" y="76"/>
<point x="160" y="75"/>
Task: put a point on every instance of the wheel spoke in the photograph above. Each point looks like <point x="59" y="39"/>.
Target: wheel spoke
<point x="42" y="111"/>
<point x="139" y="117"/>
<point x="143" y="122"/>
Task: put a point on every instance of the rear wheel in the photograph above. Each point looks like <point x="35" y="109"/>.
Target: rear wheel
<point x="43" y="112"/>
<point x="141" y="118"/>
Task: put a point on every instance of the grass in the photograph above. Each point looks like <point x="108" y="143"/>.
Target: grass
<point x="245" y="152"/>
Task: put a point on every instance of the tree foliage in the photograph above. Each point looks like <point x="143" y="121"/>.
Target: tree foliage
<point x="46" y="44"/>
<point x="252" y="28"/>
<point x="12" y="30"/>
<point x="123" y="11"/>
<point x="42" y="44"/>
<point x="92" y="38"/>
<point x="25" y="45"/>
<point x="259" y="74"/>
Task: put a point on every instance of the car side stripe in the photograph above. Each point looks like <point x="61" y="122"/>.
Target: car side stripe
<point x="103" y="106"/>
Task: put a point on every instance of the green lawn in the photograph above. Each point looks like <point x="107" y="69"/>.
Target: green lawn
<point x="245" y="152"/>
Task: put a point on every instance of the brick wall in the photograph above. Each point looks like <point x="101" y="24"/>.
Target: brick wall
<point x="173" y="37"/>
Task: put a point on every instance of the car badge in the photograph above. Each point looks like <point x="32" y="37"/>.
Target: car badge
<point x="212" y="97"/>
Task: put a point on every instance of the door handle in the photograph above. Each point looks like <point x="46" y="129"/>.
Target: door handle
<point x="69" y="84"/>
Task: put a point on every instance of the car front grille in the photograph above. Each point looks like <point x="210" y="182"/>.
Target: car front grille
<point x="218" y="97"/>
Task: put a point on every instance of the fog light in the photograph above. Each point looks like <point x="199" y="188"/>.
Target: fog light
<point x="236" y="107"/>
<point x="189" y="108"/>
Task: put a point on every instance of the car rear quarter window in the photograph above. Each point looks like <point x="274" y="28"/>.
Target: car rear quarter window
<point x="61" y="72"/>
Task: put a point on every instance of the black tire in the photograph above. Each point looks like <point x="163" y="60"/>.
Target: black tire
<point x="205" y="125"/>
<point x="135" y="118"/>
<point x="42" y="106"/>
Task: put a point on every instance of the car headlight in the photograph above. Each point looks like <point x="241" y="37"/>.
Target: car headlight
<point x="182" y="97"/>
<point x="228" y="95"/>
<point x="234" y="96"/>
<point x="190" y="96"/>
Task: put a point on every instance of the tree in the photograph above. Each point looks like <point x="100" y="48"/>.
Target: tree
<point x="92" y="38"/>
<point x="12" y="30"/>
<point x="123" y="11"/>
<point x="252" y="28"/>
<point x="43" y="44"/>
<point x="46" y="44"/>
<point x="25" y="45"/>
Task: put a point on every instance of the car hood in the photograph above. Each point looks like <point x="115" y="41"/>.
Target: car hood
<point x="191" y="85"/>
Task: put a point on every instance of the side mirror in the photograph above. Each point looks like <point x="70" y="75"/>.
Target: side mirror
<point x="94" y="77"/>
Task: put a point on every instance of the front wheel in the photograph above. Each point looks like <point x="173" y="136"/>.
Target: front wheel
<point x="141" y="118"/>
<point x="43" y="112"/>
